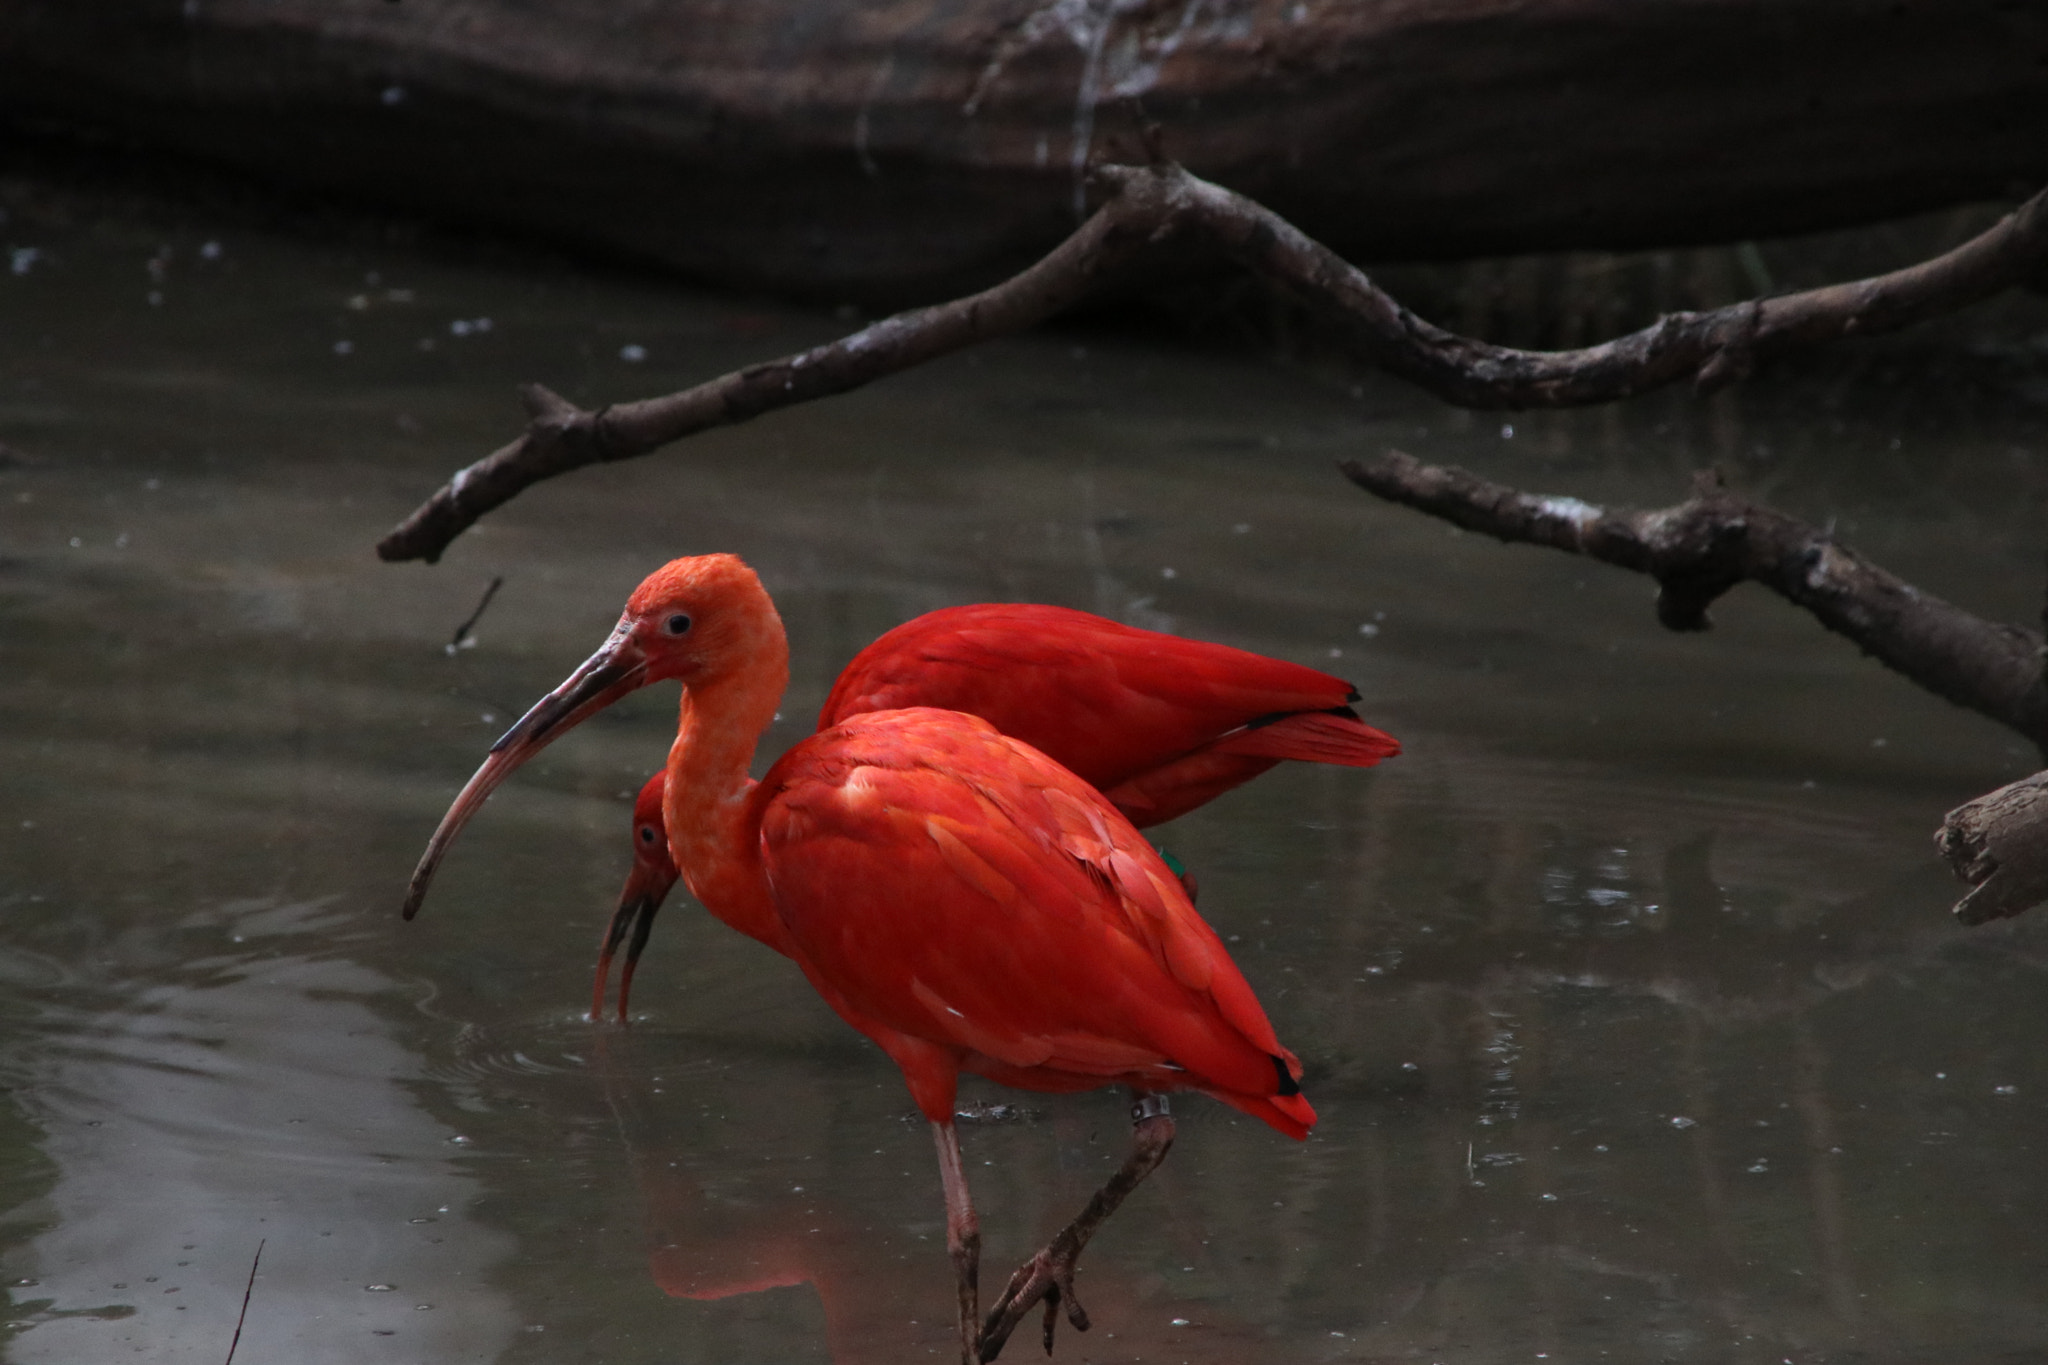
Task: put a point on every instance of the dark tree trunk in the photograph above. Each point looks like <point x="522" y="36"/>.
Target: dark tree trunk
<point x="900" y="149"/>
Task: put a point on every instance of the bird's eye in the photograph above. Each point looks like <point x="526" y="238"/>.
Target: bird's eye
<point x="679" y="624"/>
<point x="646" y="834"/>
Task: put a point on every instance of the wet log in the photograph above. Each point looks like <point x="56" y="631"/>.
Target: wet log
<point x="894" y="150"/>
<point x="1998" y="843"/>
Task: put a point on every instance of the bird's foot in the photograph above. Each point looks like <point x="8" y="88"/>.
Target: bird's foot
<point x="1047" y="1278"/>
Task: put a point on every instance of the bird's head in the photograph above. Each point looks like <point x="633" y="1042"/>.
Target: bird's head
<point x="653" y="876"/>
<point x="701" y="620"/>
<point x="654" y="871"/>
<point x="705" y="620"/>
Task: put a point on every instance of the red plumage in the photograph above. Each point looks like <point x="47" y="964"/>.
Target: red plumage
<point x="1123" y="708"/>
<point x="953" y="893"/>
<point x="1157" y="723"/>
<point x="1046" y="943"/>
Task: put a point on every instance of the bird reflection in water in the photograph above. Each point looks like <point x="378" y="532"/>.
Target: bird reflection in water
<point x="864" y="1271"/>
<point x="951" y="892"/>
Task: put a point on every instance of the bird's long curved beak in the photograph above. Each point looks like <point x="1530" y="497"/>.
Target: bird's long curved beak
<point x="617" y="668"/>
<point x="646" y="888"/>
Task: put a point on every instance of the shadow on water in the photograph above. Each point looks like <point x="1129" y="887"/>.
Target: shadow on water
<point x="1627" y="994"/>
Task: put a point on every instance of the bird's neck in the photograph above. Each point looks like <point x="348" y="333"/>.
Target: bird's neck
<point x="706" y="802"/>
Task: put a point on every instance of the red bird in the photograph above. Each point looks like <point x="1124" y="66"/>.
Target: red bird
<point x="1156" y="723"/>
<point x="951" y="892"/>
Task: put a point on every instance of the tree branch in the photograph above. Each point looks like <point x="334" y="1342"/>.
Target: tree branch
<point x="1147" y="206"/>
<point x="1701" y="548"/>
<point x="1998" y="843"/>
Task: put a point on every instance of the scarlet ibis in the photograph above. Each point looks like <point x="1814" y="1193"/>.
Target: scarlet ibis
<point x="952" y="893"/>
<point x="1157" y="723"/>
<point x="652" y="877"/>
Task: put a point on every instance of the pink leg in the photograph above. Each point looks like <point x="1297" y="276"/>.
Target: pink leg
<point x="963" y="1240"/>
<point x="1048" y="1277"/>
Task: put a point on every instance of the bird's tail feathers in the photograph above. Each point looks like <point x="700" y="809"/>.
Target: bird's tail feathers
<point x="1291" y="1114"/>
<point x="1333" y="736"/>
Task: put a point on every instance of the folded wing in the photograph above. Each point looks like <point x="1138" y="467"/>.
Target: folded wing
<point x="1043" y="941"/>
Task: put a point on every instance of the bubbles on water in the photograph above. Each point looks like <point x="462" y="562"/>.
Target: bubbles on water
<point x="379" y="1288"/>
<point x="1759" y="1167"/>
<point x="344" y="347"/>
<point x="632" y="353"/>
<point x="392" y="96"/>
<point x="23" y="259"/>
<point x="1681" y="1121"/>
<point x="2005" y="1090"/>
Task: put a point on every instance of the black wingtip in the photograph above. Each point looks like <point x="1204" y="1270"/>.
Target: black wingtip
<point x="1288" y="1085"/>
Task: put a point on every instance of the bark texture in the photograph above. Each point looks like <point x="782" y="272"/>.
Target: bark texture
<point x="1704" y="546"/>
<point x="898" y="150"/>
<point x="1998" y="843"/>
<point x="1700" y="548"/>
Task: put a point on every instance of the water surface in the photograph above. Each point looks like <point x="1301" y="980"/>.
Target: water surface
<point x="1627" y="994"/>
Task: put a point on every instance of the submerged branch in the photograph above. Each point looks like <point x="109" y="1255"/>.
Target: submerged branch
<point x="1998" y="843"/>
<point x="1149" y="207"/>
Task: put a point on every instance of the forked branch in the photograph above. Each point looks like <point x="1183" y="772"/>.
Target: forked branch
<point x="1700" y="548"/>
<point x="1148" y="207"/>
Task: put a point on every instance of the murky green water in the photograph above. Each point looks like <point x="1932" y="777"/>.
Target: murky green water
<point x="1628" y="996"/>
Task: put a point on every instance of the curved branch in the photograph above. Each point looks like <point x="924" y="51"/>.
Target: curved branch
<point x="562" y="437"/>
<point x="1704" y="546"/>
<point x="1148" y="205"/>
